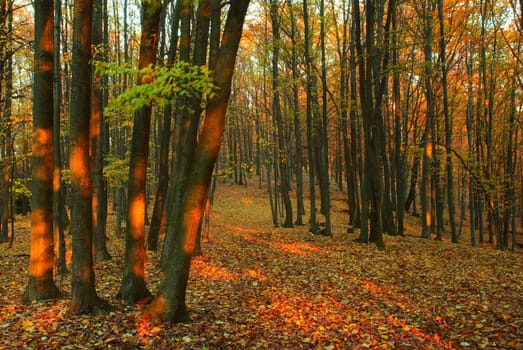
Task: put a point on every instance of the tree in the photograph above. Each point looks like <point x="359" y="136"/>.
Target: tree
<point x="448" y="125"/>
<point x="277" y="115"/>
<point x="84" y="298"/>
<point x="97" y="143"/>
<point x="59" y="213"/>
<point x="133" y="287"/>
<point x="371" y="67"/>
<point x="300" y="207"/>
<point x="41" y="284"/>
<point x="6" y="132"/>
<point x="159" y="210"/>
<point x="311" y="99"/>
<point x="169" y="302"/>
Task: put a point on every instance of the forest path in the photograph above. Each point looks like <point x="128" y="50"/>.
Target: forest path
<point x="258" y="287"/>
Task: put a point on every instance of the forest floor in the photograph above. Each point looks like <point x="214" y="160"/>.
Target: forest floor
<point x="259" y="287"/>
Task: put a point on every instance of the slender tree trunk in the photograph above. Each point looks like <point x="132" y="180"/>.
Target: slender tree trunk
<point x="322" y="137"/>
<point x="133" y="288"/>
<point x="100" y="252"/>
<point x="159" y="211"/>
<point x="399" y="154"/>
<point x="182" y="124"/>
<point x="448" y="126"/>
<point x="314" y="227"/>
<point x="281" y="158"/>
<point x="300" y="206"/>
<point x="428" y="151"/>
<point x="58" y="200"/>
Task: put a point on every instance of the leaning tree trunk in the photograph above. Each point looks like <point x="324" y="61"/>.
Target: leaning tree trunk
<point x="169" y="303"/>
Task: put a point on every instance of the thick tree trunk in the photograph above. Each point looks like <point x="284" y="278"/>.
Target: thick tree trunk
<point x="84" y="297"/>
<point x="41" y="285"/>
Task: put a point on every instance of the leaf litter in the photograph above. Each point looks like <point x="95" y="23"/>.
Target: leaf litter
<point x="260" y="287"/>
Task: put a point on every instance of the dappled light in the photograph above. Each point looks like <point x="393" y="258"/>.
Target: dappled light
<point x="77" y="164"/>
<point x="41" y="246"/>
<point x="299" y="248"/>
<point x="43" y="149"/>
<point x="192" y="223"/>
<point x="323" y="175"/>
<point x="201" y="268"/>
<point x="285" y="288"/>
<point x="137" y="212"/>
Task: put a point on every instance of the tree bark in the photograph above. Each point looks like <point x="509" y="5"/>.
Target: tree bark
<point x="41" y="284"/>
<point x="158" y="215"/>
<point x="281" y="158"/>
<point x="133" y="289"/>
<point x="84" y="298"/>
<point x="100" y="252"/>
<point x="169" y="303"/>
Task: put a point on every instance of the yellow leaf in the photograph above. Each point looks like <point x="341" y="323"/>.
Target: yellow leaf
<point x="27" y="323"/>
<point x="479" y="325"/>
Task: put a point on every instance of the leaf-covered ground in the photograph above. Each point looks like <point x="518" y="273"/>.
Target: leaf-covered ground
<point x="258" y="287"/>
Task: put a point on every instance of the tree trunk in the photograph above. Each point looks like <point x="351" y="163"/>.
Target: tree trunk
<point x="322" y="134"/>
<point x="41" y="285"/>
<point x="448" y="127"/>
<point x="100" y="252"/>
<point x="169" y="303"/>
<point x="314" y="227"/>
<point x="84" y="298"/>
<point x="428" y="145"/>
<point x="159" y="211"/>
<point x="58" y="200"/>
<point x="281" y="158"/>
<point x="300" y="206"/>
<point x="133" y="289"/>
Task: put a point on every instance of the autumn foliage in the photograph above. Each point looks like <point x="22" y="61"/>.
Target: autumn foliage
<point x="258" y="287"/>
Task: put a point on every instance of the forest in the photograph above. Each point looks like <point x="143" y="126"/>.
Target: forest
<point x="323" y="174"/>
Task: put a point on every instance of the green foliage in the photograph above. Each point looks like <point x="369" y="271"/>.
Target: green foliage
<point x="19" y="187"/>
<point x="159" y="85"/>
<point x="116" y="171"/>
